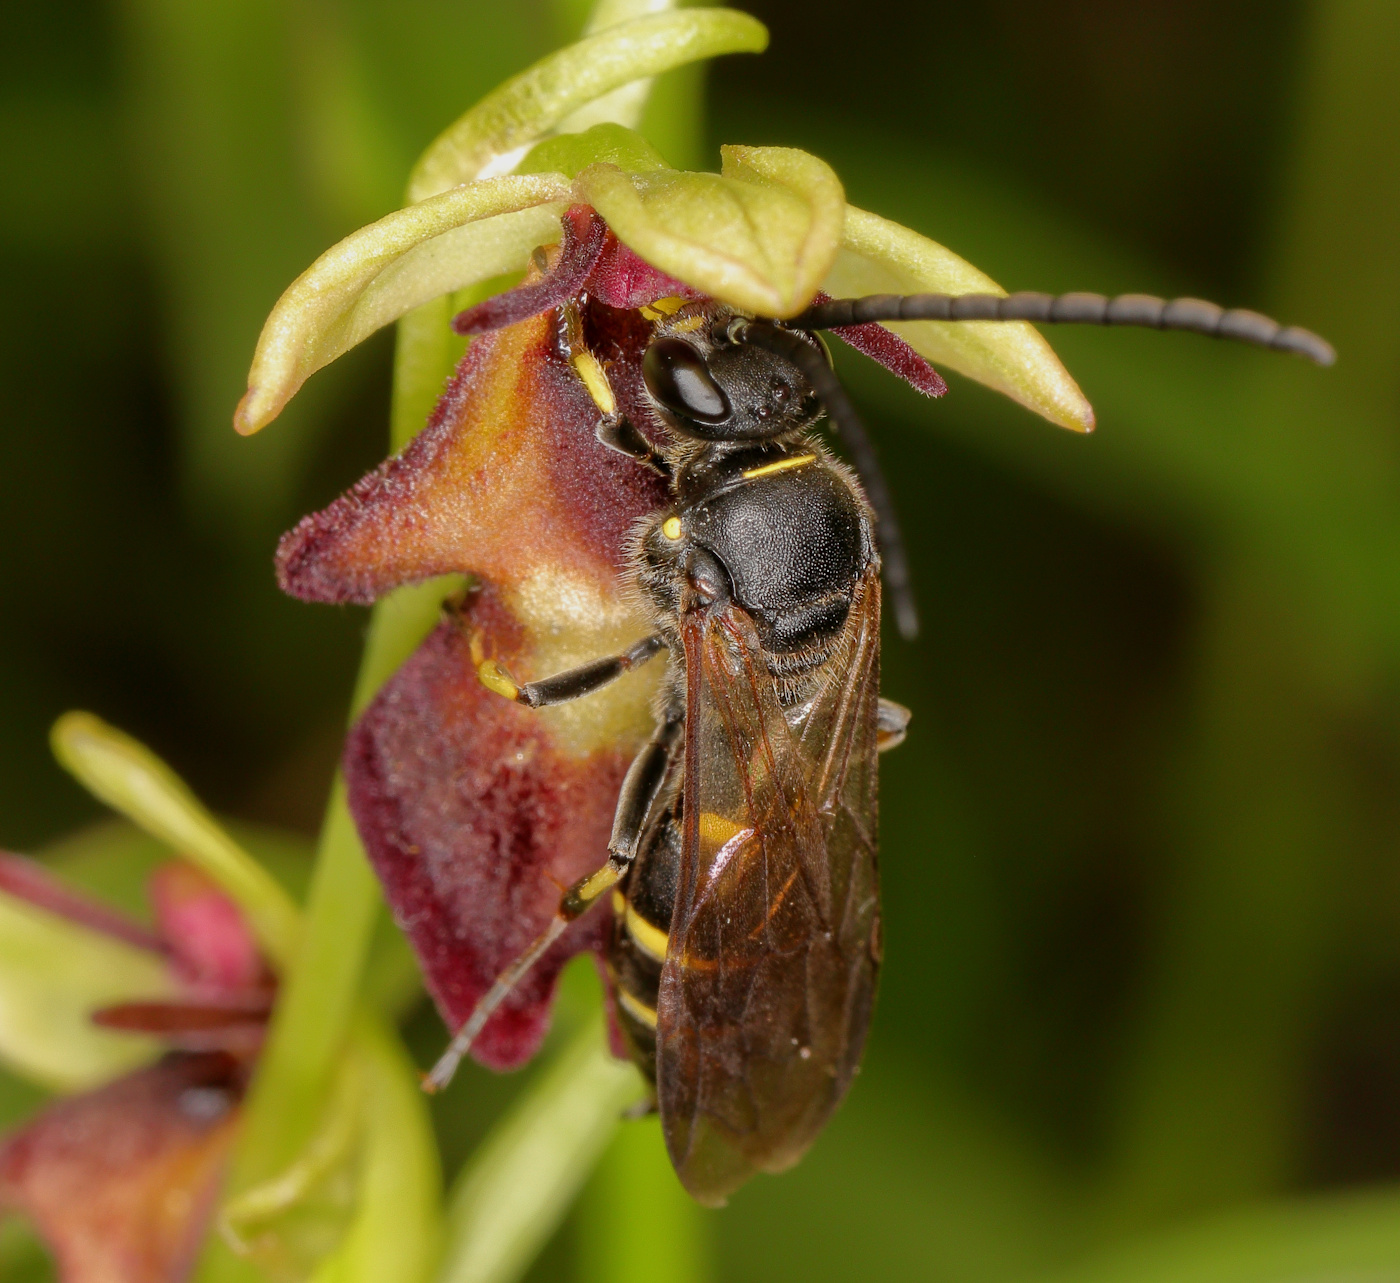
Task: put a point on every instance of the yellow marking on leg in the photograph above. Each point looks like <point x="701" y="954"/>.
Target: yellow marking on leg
<point x="619" y="905"/>
<point x="492" y="676"/>
<point x="650" y="939"/>
<point x="594" y="379"/>
<point x="637" y="1009"/>
<point x="596" y="883"/>
<point x="782" y="465"/>
<point x="478" y="651"/>
<point x="671" y="527"/>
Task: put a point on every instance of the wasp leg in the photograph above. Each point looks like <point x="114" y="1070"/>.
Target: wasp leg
<point x="619" y="433"/>
<point x="572" y="684"/>
<point x="891" y="725"/>
<point x="640" y="789"/>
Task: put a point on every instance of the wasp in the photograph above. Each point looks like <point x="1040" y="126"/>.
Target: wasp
<point x="741" y="869"/>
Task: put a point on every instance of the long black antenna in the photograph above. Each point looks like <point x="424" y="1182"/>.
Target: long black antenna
<point x="812" y="362"/>
<point x="1193" y="314"/>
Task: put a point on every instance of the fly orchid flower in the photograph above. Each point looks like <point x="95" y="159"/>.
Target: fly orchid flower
<point x="152" y="1037"/>
<point x="474" y="811"/>
<point x="121" y="1178"/>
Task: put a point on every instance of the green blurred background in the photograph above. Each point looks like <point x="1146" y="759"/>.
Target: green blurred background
<point x="1140" y="1016"/>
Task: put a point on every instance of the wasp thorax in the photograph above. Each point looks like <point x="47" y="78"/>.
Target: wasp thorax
<point x="723" y="391"/>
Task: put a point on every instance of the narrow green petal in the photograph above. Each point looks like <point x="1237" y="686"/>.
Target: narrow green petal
<point x="131" y="779"/>
<point x="880" y="257"/>
<point x="531" y="104"/>
<point x="761" y="239"/>
<point x="524" y="1176"/>
<point x="53" y="975"/>
<point x="377" y="274"/>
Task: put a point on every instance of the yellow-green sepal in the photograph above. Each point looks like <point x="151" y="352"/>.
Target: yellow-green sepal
<point x="881" y="257"/>
<point x="379" y="273"/>
<point x="530" y="105"/>
<point x="54" y="974"/>
<point x="760" y="236"/>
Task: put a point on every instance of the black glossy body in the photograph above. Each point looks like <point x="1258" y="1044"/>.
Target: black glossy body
<point x="773" y="526"/>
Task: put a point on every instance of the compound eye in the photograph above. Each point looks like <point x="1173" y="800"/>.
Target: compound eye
<point x="677" y="376"/>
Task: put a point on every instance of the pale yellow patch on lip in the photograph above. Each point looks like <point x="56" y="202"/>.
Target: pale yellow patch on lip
<point x="572" y="620"/>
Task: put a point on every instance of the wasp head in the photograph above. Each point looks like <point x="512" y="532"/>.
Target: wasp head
<point x="707" y="386"/>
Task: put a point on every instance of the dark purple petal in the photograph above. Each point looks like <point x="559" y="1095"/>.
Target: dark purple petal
<point x="621" y="279"/>
<point x="888" y="349"/>
<point x="582" y="246"/>
<point x="30" y="881"/>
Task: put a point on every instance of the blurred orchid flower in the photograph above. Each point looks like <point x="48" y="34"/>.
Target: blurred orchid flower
<point x="158" y="1032"/>
<point x="121" y="1178"/>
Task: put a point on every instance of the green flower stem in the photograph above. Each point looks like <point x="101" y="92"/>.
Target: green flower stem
<point x="522" y="1180"/>
<point x="655" y="1234"/>
<point x="313" y="1013"/>
<point x="397" y="1228"/>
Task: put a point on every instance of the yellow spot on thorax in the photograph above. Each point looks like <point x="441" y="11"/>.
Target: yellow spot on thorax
<point x="671" y="527"/>
<point x="662" y="308"/>
<point x="782" y="465"/>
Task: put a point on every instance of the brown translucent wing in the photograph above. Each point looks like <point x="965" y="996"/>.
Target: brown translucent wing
<point x="766" y="993"/>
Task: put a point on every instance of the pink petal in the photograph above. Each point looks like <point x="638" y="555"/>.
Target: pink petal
<point x="206" y="932"/>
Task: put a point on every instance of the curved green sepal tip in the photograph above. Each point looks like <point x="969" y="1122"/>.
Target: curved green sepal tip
<point x="377" y="274"/>
<point x="529" y="105"/>
<point x="881" y="257"/>
<point x="131" y="779"/>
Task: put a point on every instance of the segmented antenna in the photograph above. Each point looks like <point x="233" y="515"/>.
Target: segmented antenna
<point x="811" y="361"/>
<point x="1193" y="314"/>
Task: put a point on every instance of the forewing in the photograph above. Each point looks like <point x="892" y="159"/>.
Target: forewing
<point x="765" y="996"/>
